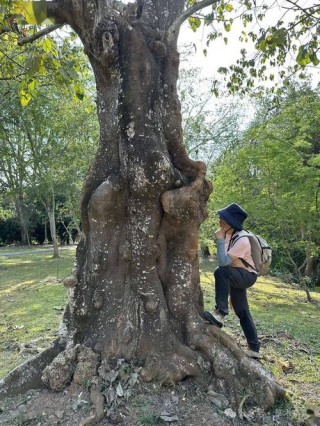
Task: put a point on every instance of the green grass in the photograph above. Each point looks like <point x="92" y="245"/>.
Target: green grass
<point x="32" y="301"/>
<point x="32" y="298"/>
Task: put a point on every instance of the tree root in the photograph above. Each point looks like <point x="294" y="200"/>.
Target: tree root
<point x="28" y="375"/>
<point x="212" y="357"/>
<point x="170" y="369"/>
<point x="234" y="373"/>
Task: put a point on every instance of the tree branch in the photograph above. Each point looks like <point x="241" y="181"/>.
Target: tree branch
<point x="41" y="33"/>
<point x="173" y="30"/>
<point x="304" y="10"/>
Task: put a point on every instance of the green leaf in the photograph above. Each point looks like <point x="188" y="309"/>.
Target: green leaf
<point x="31" y="85"/>
<point x="262" y="45"/>
<point x="32" y="12"/>
<point x="47" y="45"/>
<point x="80" y="95"/>
<point x="25" y="97"/>
<point x="194" y="23"/>
<point x="229" y="7"/>
<point x="227" y="26"/>
<point x="315" y="161"/>
<point x="64" y="74"/>
<point x="314" y="59"/>
<point x="303" y="57"/>
<point x="33" y="64"/>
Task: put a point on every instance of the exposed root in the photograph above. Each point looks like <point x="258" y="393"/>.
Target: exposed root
<point x="97" y="398"/>
<point x="28" y="375"/>
<point x="58" y="374"/>
<point x="88" y="421"/>
<point x="234" y="373"/>
<point x="240" y="409"/>
<point x="78" y="363"/>
<point x="171" y="365"/>
<point x="214" y="358"/>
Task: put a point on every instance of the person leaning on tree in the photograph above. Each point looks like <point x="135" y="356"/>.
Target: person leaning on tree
<point x="234" y="275"/>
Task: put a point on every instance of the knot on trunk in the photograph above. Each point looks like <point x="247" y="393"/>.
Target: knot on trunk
<point x="107" y="37"/>
<point x="70" y="281"/>
<point x="188" y="203"/>
<point x="181" y="204"/>
<point x="125" y="251"/>
<point x="98" y="299"/>
<point x="151" y="302"/>
<point x="107" y="204"/>
<point x="159" y="49"/>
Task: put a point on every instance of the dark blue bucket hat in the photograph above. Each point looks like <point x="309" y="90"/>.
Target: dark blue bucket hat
<point x="234" y="215"/>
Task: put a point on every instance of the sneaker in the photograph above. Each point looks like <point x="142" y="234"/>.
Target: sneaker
<point x="216" y="318"/>
<point x="253" y="354"/>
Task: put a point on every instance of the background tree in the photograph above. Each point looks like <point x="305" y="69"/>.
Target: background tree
<point x="286" y="41"/>
<point x="14" y="161"/>
<point x="42" y="158"/>
<point x="210" y="125"/>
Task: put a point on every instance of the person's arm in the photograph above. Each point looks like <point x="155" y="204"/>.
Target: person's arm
<point x="223" y="258"/>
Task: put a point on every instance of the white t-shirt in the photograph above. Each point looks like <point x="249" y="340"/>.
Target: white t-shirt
<point x="241" y="249"/>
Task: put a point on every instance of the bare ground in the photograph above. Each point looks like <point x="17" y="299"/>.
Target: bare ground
<point x="187" y="404"/>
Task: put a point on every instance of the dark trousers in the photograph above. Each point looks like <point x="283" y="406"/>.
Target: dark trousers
<point x="235" y="281"/>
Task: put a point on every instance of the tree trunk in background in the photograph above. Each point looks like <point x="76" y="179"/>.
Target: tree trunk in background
<point x="310" y="270"/>
<point x="23" y="221"/>
<point x="45" y="234"/>
<point x="53" y="233"/>
<point x="135" y="292"/>
<point x="50" y="205"/>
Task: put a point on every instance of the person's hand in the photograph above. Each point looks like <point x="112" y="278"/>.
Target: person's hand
<point x="220" y="234"/>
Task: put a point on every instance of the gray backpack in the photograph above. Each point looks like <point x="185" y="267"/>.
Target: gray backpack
<point x="260" y="250"/>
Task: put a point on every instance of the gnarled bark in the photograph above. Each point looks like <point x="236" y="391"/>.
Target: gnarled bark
<point x="135" y="290"/>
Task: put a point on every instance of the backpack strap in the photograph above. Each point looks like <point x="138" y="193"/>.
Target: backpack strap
<point x="234" y="238"/>
<point x="247" y="264"/>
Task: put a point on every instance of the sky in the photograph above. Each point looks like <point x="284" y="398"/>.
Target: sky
<point x="221" y="54"/>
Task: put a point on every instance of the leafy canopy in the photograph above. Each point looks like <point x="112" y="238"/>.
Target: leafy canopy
<point x="55" y="58"/>
<point x="278" y="38"/>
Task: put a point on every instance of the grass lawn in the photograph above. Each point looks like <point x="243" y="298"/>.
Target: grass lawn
<point x="33" y="298"/>
<point x="32" y="301"/>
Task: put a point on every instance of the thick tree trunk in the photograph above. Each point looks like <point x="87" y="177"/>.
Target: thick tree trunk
<point x="135" y="291"/>
<point x="142" y="206"/>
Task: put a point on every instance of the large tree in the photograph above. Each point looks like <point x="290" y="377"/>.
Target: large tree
<point x="135" y="290"/>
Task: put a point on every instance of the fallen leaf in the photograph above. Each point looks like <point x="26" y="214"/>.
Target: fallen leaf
<point x="119" y="390"/>
<point x="168" y="417"/>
